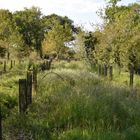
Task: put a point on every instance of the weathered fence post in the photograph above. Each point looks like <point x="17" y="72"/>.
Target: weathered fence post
<point x="11" y="64"/>
<point x="105" y="70"/>
<point x="131" y="76"/>
<point x="0" y="123"/>
<point x="111" y="72"/>
<point x="29" y="88"/>
<point x="4" y="66"/>
<point x="47" y="64"/>
<point x="22" y="95"/>
<point x="35" y="79"/>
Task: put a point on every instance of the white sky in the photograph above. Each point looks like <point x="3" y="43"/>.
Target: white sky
<point x="82" y="12"/>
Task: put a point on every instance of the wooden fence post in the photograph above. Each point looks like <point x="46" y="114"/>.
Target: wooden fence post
<point x="49" y="64"/>
<point x="0" y="123"/>
<point x="11" y="64"/>
<point x="111" y="72"/>
<point x="4" y="66"/>
<point x="131" y="76"/>
<point x="29" y="88"/>
<point x="35" y="79"/>
<point x="105" y="70"/>
<point x="22" y="95"/>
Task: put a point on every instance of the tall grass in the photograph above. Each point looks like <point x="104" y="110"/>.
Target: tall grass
<point x="74" y="104"/>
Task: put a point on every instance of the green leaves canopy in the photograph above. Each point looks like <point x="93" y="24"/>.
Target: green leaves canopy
<point x="29" y="23"/>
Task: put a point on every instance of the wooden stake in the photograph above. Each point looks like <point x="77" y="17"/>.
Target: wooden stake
<point x="22" y="95"/>
<point x="111" y="72"/>
<point x="131" y="76"/>
<point x="4" y="66"/>
<point x="35" y="79"/>
<point x="29" y="88"/>
<point x="11" y="65"/>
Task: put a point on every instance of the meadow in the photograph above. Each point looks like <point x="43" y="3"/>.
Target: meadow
<point x="72" y="103"/>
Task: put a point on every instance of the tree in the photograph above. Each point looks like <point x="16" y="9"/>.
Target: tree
<point x="113" y="3"/>
<point x="52" y="20"/>
<point x="9" y="37"/>
<point x="90" y="43"/>
<point x="80" y="45"/>
<point x="122" y="35"/>
<point x="111" y="9"/>
<point x="30" y="26"/>
<point x="57" y="38"/>
<point x="59" y="33"/>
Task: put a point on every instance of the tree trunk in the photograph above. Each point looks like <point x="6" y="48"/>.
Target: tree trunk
<point x="119" y="71"/>
<point x="41" y="53"/>
<point x="8" y="55"/>
<point x="102" y="70"/>
<point x="111" y="72"/>
<point x="131" y="76"/>
<point x="29" y="88"/>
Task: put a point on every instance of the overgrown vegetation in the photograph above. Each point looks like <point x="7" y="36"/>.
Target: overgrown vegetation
<point x="71" y="106"/>
<point x="87" y="82"/>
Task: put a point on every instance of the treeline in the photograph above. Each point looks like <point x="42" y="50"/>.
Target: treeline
<point x="117" y="41"/>
<point x="29" y="31"/>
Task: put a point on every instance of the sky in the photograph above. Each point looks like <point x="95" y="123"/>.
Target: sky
<point x="82" y="12"/>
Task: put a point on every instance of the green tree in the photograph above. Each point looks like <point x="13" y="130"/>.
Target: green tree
<point x="9" y="36"/>
<point x="80" y="45"/>
<point x="30" y="26"/>
<point x="52" y="20"/>
<point x="57" y="38"/>
<point x="122" y="37"/>
<point x="90" y="43"/>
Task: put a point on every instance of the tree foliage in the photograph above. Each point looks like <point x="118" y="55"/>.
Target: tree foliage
<point x="10" y="39"/>
<point x="30" y="26"/>
<point x="59" y="34"/>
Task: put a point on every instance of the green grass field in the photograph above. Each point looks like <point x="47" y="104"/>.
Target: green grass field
<point x="72" y="103"/>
